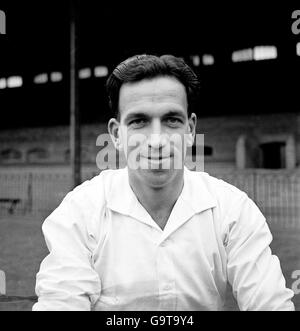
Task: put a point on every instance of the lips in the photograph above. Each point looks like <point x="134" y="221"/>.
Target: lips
<point x="157" y="158"/>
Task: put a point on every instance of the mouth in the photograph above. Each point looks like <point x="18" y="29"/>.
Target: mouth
<point x="157" y="163"/>
<point x="158" y="158"/>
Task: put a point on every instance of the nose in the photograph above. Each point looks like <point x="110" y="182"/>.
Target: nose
<point x="157" y="138"/>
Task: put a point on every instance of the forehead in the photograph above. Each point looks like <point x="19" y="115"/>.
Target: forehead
<point x="147" y="93"/>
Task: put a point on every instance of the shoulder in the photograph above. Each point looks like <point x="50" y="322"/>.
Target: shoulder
<point x="218" y="188"/>
<point x="235" y="206"/>
<point x="86" y="202"/>
<point x="94" y="191"/>
<point x="228" y="200"/>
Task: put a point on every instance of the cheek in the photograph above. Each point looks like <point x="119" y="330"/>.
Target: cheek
<point x="179" y="147"/>
<point x="178" y="142"/>
<point x="134" y="142"/>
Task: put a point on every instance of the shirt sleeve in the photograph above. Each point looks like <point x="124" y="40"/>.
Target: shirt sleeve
<point x="67" y="279"/>
<point x="253" y="272"/>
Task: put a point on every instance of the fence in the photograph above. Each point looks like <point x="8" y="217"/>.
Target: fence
<point x="36" y="191"/>
<point x="276" y="192"/>
<point x="39" y="191"/>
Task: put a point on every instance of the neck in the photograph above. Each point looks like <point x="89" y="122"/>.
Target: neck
<point x="158" y="200"/>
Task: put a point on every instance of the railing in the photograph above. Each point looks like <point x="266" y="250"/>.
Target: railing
<point x="38" y="191"/>
<point x="277" y="193"/>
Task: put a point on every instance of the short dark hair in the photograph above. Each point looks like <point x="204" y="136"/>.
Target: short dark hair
<point x="144" y="66"/>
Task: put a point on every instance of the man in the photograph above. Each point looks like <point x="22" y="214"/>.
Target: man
<point x="156" y="236"/>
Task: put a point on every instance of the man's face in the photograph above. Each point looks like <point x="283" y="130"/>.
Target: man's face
<point x="154" y="128"/>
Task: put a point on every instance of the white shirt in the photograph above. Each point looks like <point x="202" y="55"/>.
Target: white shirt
<point x="107" y="253"/>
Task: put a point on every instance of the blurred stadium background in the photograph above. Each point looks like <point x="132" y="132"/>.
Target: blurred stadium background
<point x="247" y="59"/>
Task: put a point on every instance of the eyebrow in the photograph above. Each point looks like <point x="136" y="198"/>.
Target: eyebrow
<point x="135" y="115"/>
<point x="142" y="114"/>
<point x="174" y="113"/>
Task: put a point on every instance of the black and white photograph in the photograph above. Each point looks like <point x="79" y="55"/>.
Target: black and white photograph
<point x="149" y="158"/>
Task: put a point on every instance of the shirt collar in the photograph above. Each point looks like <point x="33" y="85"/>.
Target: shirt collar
<point x="194" y="198"/>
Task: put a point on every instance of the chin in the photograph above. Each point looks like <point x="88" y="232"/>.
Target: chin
<point x="158" y="178"/>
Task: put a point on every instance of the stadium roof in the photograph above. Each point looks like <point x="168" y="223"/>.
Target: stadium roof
<point x="38" y="31"/>
<point x="37" y="41"/>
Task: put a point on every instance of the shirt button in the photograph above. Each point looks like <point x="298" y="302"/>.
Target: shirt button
<point x="165" y="243"/>
<point x="167" y="287"/>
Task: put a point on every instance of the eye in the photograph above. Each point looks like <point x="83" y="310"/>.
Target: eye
<point x="173" y="121"/>
<point x="137" y="123"/>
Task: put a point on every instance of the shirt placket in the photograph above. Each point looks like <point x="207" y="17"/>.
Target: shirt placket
<point x="166" y="276"/>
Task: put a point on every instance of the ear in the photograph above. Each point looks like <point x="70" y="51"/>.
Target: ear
<point x="114" y="131"/>
<point x="192" y="129"/>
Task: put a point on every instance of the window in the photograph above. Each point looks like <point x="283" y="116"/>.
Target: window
<point x="41" y="79"/>
<point x="10" y="154"/>
<point x="208" y="151"/>
<point x="67" y="156"/>
<point x="264" y="53"/>
<point x="14" y="81"/>
<point x="101" y="71"/>
<point x="85" y="156"/>
<point x="37" y="155"/>
<point x="273" y="155"/>
<point x="85" y="73"/>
